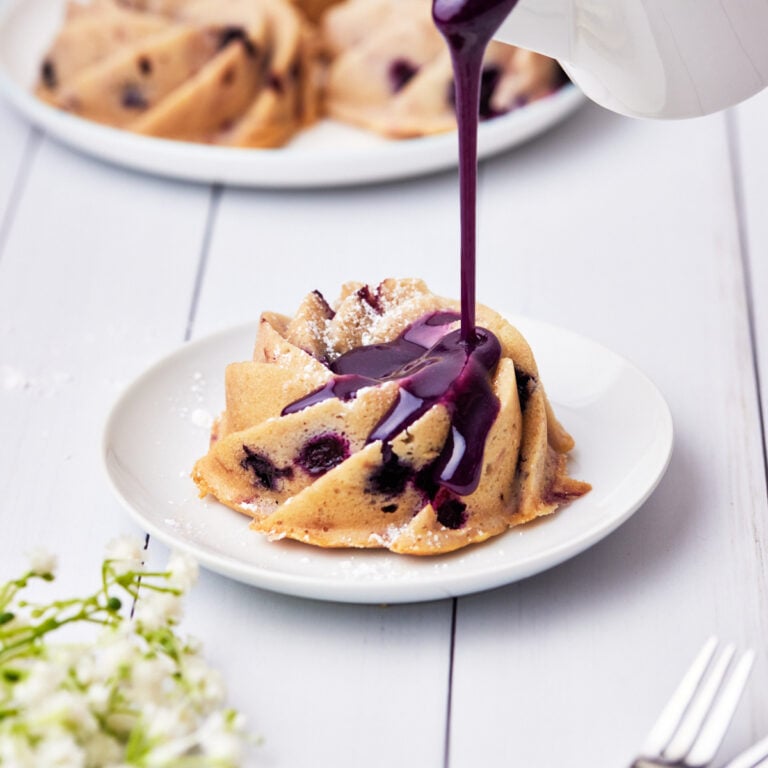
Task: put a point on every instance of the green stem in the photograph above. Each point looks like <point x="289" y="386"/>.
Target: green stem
<point x="168" y="590"/>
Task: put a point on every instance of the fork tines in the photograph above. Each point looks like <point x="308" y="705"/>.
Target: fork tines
<point x="693" y="724"/>
<point x="755" y="757"/>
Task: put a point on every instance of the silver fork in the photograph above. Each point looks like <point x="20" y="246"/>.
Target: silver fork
<point x="693" y="723"/>
<point x="754" y="757"/>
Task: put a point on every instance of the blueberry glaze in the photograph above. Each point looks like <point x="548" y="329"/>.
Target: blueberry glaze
<point x="467" y="26"/>
<point x="489" y="80"/>
<point x="432" y="367"/>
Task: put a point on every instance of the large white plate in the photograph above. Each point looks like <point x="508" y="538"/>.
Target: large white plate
<point x="157" y="430"/>
<point x="329" y="154"/>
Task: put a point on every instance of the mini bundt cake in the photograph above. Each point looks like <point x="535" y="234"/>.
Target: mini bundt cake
<point x="391" y="70"/>
<point x="370" y="425"/>
<point x="232" y="72"/>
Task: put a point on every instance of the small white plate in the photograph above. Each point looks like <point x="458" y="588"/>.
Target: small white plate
<point x="327" y="155"/>
<point x="159" y="427"/>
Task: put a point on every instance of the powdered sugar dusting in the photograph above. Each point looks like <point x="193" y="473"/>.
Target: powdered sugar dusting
<point x="197" y="416"/>
<point x="12" y="378"/>
<point x="198" y="385"/>
<point x="201" y="418"/>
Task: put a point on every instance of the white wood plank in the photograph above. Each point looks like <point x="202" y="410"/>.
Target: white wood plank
<point x="328" y="684"/>
<point x="14" y="153"/>
<point x="95" y="283"/>
<point x="752" y="151"/>
<point x="625" y="231"/>
<point x="280" y="245"/>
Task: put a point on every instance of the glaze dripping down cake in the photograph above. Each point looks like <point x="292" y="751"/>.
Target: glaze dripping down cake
<point x="368" y="424"/>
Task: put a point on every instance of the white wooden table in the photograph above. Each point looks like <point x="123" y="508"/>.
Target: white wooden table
<point x="651" y="238"/>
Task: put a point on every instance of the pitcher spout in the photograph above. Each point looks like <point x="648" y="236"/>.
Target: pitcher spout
<point x="544" y="26"/>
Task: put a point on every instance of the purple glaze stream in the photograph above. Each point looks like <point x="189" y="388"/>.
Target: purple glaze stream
<point x="468" y="26"/>
<point x="453" y="369"/>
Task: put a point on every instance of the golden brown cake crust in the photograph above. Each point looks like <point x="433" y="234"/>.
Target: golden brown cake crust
<point x="315" y="475"/>
<point x="232" y="72"/>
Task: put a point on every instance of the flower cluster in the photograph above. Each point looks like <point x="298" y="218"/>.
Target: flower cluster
<point x="138" y="695"/>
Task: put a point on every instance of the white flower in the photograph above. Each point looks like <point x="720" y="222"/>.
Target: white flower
<point x="224" y="746"/>
<point x="16" y="751"/>
<point x="85" y="669"/>
<point x="65" y="709"/>
<point x="58" y="749"/>
<point x="166" y="755"/>
<point x="114" y="658"/>
<point x="41" y="681"/>
<point x="168" y="723"/>
<point x="150" y="678"/>
<point x="157" y="609"/>
<point x="98" y="696"/>
<point x="221" y="738"/>
<point x="193" y="646"/>
<point x="126" y="554"/>
<point x="103" y="750"/>
<point x="136" y="682"/>
<point x="65" y="656"/>
<point x="207" y="682"/>
<point x="42" y="562"/>
<point x="121" y="723"/>
<point x="183" y="570"/>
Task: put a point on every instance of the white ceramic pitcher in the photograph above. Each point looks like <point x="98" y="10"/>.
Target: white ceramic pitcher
<point x="651" y="58"/>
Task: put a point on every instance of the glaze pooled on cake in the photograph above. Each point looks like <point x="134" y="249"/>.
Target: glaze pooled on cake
<point x="370" y="425"/>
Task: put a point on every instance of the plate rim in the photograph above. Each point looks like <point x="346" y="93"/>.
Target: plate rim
<point x="430" y="587"/>
<point x="393" y="159"/>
